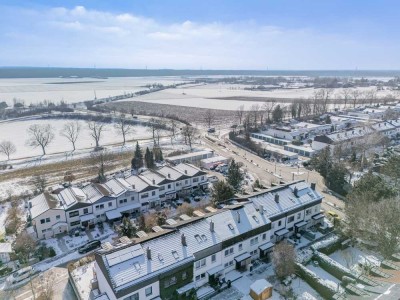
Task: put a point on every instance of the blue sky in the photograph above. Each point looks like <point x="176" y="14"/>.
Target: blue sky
<point x="207" y="34"/>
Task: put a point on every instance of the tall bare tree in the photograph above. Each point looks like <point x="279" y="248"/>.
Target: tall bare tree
<point x="346" y="93"/>
<point x="173" y="125"/>
<point x="71" y="132"/>
<point x="268" y="107"/>
<point x="239" y="113"/>
<point x="40" y="135"/>
<point x="46" y="285"/>
<point x="96" y="129"/>
<point x="209" y="117"/>
<point x="123" y="126"/>
<point x="189" y="132"/>
<point x="355" y="96"/>
<point x="284" y="258"/>
<point x="7" y="148"/>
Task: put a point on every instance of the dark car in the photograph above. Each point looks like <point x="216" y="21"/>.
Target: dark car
<point x="89" y="246"/>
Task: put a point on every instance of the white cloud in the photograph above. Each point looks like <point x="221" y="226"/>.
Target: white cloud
<point x="84" y="37"/>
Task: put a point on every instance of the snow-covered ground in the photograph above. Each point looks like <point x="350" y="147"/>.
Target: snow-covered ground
<point x="70" y="90"/>
<point x="16" y="131"/>
<point x="3" y="214"/>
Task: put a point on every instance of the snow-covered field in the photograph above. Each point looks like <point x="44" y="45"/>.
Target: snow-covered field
<point x="34" y="90"/>
<point x="206" y="96"/>
<point x="16" y="131"/>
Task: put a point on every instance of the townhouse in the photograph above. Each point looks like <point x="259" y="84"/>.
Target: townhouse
<point x="66" y="209"/>
<point x="185" y="255"/>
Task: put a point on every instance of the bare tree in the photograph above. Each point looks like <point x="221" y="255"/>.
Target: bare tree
<point x="239" y="113"/>
<point x="346" y="93"/>
<point x="268" y="107"/>
<point x="173" y="126"/>
<point x="189" y="132"/>
<point x="101" y="159"/>
<point x="40" y="135"/>
<point x="71" y="132"/>
<point x="355" y="94"/>
<point x="46" y="285"/>
<point x="284" y="258"/>
<point x="24" y="246"/>
<point x="7" y="148"/>
<point x="254" y="110"/>
<point x="124" y="127"/>
<point x="209" y="117"/>
<point x="96" y="129"/>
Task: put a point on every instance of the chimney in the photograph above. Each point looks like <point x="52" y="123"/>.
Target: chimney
<point x="183" y="239"/>
<point x="212" y="226"/>
<point x="296" y="191"/>
<point x="261" y="209"/>
<point x="313" y="186"/>
<point x="133" y="186"/>
<point x="148" y="253"/>
<point x="185" y="171"/>
<point x="238" y="216"/>
<point x="154" y="181"/>
<point x="277" y="198"/>
<point x="30" y="204"/>
<point x="169" y="175"/>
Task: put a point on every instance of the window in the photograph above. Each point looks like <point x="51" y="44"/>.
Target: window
<point x="100" y="206"/>
<point x="280" y="223"/>
<point x="264" y="236"/>
<point x="153" y="193"/>
<point x="202" y="178"/>
<point x="213" y="258"/>
<point x="58" y="217"/>
<point x="200" y="263"/>
<point x="240" y="247"/>
<point x="201" y="276"/>
<point x="186" y="181"/>
<point x="85" y="211"/>
<point x="272" y="225"/>
<point x="229" y="251"/>
<point x="308" y="212"/>
<point x="228" y="264"/>
<point x="133" y="297"/>
<point x="169" y="186"/>
<point x="254" y="241"/>
<point x="195" y="180"/>
<point x="148" y="291"/>
<point x="121" y="201"/>
<point x="145" y="195"/>
<point x="290" y="219"/>
<point x="109" y="204"/>
<point x="42" y="221"/>
<point x="315" y="209"/>
<point x="170" y="281"/>
<point x="162" y="188"/>
<point x="298" y="216"/>
<point x="75" y="223"/>
<point x="184" y="276"/>
<point x="74" y="213"/>
<point x="254" y="252"/>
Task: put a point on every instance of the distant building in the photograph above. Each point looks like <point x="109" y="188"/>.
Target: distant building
<point x="190" y="157"/>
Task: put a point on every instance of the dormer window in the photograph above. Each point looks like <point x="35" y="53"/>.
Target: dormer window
<point x="175" y="254"/>
<point x="231" y="226"/>
<point x="256" y="219"/>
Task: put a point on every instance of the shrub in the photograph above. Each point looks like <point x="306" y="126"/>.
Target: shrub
<point x="52" y="252"/>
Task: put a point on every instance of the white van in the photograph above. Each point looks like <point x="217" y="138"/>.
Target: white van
<point x="20" y="275"/>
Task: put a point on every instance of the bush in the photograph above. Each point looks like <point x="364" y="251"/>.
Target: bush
<point x="52" y="252"/>
<point x="5" y="271"/>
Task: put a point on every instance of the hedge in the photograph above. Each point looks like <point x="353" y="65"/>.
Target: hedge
<point x="332" y="266"/>
<point x="315" y="282"/>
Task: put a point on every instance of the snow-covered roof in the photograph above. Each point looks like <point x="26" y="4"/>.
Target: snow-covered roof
<point x="5" y="248"/>
<point x="287" y="199"/>
<point x="170" y="173"/>
<point x="42" y="203"/>
<point x="137" y="183"/>
<point x="260" y="286"/>
<point x="154" y="177"/>
<point x="115" y="187"/>
<point x="204" y="153"/>
<point x="188" y="169"/>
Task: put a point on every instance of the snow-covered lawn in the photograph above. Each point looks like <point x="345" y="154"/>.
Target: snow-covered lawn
<point x="350" y="257"/>
<point x="3" y="214"/>
<point x="16" y="131"/>
<point x="330" y="279"/>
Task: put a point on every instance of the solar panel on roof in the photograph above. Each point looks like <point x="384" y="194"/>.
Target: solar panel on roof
<point x="141" y="234"/>
<point x="171" y="222"/>
<point x="125" y="240"/>
<point x="185" y="217"/>
<point x="106" y="246"/>
<point x="198" y="213"/>
<point x="124" y="255"/>
<point x="157" y="229"/>
<point x="210" y="209"/>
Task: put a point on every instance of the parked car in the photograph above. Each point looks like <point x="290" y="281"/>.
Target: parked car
<point x="89" y="246"/>
<point x="20" y="275"/>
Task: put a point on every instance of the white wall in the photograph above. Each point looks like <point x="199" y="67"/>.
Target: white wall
<point x="52" y="214"/>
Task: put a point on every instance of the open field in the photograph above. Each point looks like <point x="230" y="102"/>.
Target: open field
<point x="34" y="90"/>
<point x="16" y="131"/>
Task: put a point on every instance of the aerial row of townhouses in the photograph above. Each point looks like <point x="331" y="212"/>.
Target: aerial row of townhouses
<point x="64" y="209"/>
<point x="187" y="254"/>
<point x="344" y="131"/>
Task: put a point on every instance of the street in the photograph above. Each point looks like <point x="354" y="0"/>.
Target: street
<point x="268" y="172"/>
<point x="57" y="279"/>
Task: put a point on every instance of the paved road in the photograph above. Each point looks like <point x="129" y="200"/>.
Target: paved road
<point x="58" y="279"/>
<point x="268" y="172"/>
